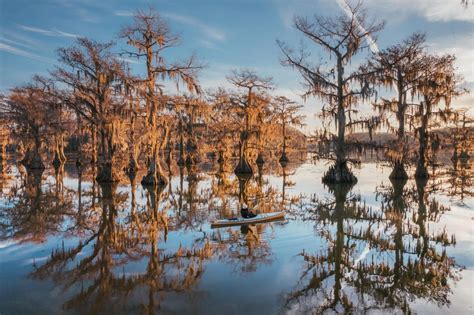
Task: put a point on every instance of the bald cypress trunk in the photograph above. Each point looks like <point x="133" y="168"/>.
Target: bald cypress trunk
<point x="107" y="172"/>
<point x="421" y="169"/>
<point x="340" y="172"/>
<point x="399" y="171"/>
<point x="36" y="162"/>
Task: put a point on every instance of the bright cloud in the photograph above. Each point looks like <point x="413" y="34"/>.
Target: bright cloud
<point x="431" y="10"/>
<point x="51" y="32"/>
<point x="209" y="31"/>
<point x="20" y="52"/>
<point x="123" y="13"/>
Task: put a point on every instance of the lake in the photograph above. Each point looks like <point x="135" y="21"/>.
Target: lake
<point x="69" y="245"/>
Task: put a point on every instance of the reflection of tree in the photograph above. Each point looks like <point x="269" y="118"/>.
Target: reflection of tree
<point x="245" y="248"/>
<point x="333" y="218"/>
<point x="286" y="183"/>
<point x="407" y="263"/>
<point x="90" y="269"/>
<point x="458" y="182"/>
<point x="35" y="210"/>
<point x="190" y="202"/>
<point x="421" y="267"/>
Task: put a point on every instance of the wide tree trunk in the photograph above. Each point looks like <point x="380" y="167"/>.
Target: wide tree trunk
<point x="36" y="162"/>
<point x="421" y="169"/>
<point x="243" y="167"/>
<point x="107" y="172"/>
<point x="399" y="172"/>
<point x="340" y="172"/>
<point x="59" y="156"/>
<point x="155" y="175"/>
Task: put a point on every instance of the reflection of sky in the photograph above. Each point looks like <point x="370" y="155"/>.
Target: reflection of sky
<point x="224" y="34"/>
<point x="223" y="284"/>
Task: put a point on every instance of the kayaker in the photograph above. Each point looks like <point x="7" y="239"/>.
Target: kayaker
<point x="246" y="213"/>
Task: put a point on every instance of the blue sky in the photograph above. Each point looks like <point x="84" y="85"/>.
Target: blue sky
<point x="224" y="34"/>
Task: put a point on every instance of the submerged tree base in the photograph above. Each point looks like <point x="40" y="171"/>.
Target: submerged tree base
<point x="260" y="160"/>
<point x="243" y="167"/>
<point x="132" y="170"/>
<point x="339" y="173"/>
<point x="464" y="155"/>
<point x="421" y="172"/>
<point x="58" y="160"/>
<point x="106" y="174"/>
<point x="284" y="158"/>
<point x="152" y="179"/>
<point x="33" y="161"/>
<point x="398" y="172"/>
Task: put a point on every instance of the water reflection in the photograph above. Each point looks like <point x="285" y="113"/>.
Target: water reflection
<point x="91" y="269"/>
<point x="375" y="260"/>
<point x="34" y="209"/>
<point x="139" y="249"/>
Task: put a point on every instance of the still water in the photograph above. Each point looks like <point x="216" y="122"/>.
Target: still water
<point x="69" y="245"/>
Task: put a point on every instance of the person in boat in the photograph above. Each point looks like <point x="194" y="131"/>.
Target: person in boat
<point x="246" y="213"/>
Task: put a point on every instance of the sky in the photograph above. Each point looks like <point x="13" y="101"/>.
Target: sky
<point x="224" y="34"/>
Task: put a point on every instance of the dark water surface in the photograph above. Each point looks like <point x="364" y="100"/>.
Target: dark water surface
<point x="71" y="246"/>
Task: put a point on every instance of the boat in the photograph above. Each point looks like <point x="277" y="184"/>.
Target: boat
<point x="260" y="218"/>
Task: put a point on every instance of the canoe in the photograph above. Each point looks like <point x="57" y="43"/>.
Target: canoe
<point x="260" y="218"/>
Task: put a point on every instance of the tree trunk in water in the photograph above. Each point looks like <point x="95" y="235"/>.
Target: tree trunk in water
<point x="132" y="169"/>
<point x="243" y="167"/>
<point x="36" y="162"/>
<point x="221" y="159"/>
<point x="107" y="172"/>
<point x="284" y="158"/>
<point x="421" y="169"/>
<point x="340" y="172"/>
<point x="59" y="156"/>
<point x="260" y="160"/>
<point x="26" y="156"/>
<point x="155" y="175"/>
<point x="399" y="172"/>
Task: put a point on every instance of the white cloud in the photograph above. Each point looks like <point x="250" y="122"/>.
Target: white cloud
<point x="209" y="31"/>
<point x="133" y="61"/>
<point x="123" y="13"/>
<point x="50" y="32"/>
<point x="431" y="10"/>
<point x="20" y="52"/>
